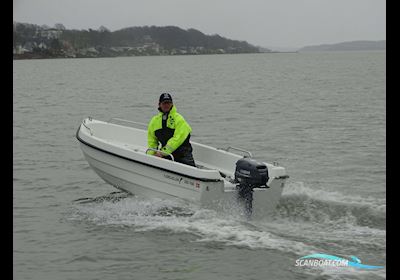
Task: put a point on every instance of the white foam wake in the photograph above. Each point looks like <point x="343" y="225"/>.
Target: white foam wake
<point x="178" y="217"/>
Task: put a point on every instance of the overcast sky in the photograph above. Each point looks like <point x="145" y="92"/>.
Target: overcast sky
<point x="276" y="23"/>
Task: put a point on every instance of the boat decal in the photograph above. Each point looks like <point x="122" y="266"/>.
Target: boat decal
<point x="180" y="180"/>
<point x="188" y="182"/>
<point x="177" y="179"/>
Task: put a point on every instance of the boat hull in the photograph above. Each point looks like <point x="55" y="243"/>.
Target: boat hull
<point x="150" y="182"/>
<point x="120" y="159"/>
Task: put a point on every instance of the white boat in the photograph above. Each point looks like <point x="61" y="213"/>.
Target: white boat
<point x="119" y="155"/>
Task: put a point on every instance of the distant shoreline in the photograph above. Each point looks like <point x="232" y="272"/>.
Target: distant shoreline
<point x="361" y="45"/>
<point x="282" y="52"/>
<point x="33" y="57"/>
<point x="31" y="41"/>
<point x="27" y="56"/>
<point x="165" y="55"/>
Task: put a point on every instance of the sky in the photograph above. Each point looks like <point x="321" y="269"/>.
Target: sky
<point x="266" y="23"/>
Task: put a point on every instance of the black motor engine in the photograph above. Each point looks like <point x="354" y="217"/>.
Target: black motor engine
<point x="249" y="174"/>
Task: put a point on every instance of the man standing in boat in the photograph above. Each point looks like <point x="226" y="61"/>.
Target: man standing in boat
<point x="170" y="129"/>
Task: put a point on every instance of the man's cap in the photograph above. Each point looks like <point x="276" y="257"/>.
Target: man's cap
<point x="165" y="97"/>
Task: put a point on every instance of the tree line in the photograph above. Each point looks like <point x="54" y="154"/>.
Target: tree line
<point x="165" y="37"/>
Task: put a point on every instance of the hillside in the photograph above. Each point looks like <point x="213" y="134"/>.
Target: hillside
<point x="34" y="41"/>
<point x="347" y="46"/>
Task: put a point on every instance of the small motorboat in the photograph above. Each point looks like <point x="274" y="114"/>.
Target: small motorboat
<point x="117" y="151"/>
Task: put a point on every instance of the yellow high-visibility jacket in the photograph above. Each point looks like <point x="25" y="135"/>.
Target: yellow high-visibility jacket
<point x="172" y="133"/>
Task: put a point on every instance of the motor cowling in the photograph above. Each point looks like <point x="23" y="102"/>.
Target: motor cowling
<point x="251" y="173"/>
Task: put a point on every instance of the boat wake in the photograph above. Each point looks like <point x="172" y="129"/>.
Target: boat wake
<point x="112" y="197"/>
<point x="302" y="204"/>
<point x="330" y="221"/>
<point x="178" y="217"/>
<point x="305" y="221"/>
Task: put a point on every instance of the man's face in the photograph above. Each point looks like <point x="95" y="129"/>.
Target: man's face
<point x="165" y="106"/>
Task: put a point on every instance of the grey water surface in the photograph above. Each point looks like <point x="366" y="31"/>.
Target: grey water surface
<point x="320" y="115"/>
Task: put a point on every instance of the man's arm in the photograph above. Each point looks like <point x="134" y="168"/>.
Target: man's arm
<point x="152" y="141"/>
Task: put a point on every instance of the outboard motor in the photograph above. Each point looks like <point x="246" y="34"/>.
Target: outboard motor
<point x="249" y="174"/>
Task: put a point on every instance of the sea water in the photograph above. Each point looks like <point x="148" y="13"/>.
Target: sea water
<point x="320" y="115"/>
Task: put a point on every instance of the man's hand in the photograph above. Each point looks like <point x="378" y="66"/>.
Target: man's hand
<point x="158" y="154"/>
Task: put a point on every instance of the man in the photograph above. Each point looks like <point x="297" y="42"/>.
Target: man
<point x="170" y="129"/>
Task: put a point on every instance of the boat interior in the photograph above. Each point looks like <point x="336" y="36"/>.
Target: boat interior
<point x="135" y="139"/>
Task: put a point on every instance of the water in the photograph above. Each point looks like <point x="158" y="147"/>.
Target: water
<point x="320" y="115"/>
